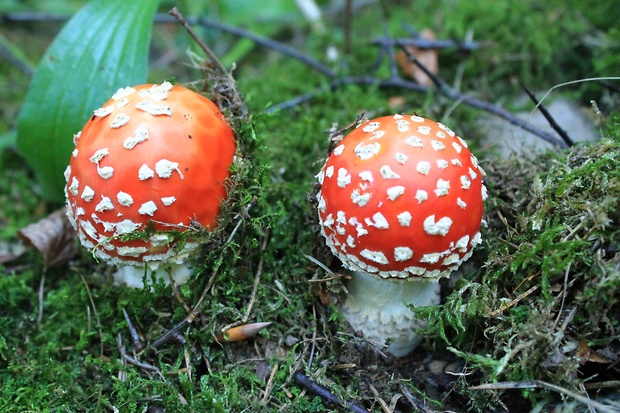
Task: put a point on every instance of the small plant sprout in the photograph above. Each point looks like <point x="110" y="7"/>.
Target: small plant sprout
<point x="148" y="172"/>
<point x="400" y="204"/>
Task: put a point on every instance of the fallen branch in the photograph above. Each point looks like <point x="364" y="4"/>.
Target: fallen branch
<point x="323" y="392"/>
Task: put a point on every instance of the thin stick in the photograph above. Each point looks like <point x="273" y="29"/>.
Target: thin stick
<point x="548" y="116"/>
<point x="212" y="57"/>
<point x="92" y="304"/>
<point x="307" y="383"/>
<point x="41" y="296"/>
<point x="548" y="386"/>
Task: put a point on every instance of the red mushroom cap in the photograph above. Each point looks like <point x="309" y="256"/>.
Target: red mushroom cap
<point x="152" y="153"/>
<point x="401" y="197"/>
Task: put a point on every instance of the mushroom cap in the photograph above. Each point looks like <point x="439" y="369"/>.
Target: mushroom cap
<point x="401" y="197"/>
<point x="153" y="156"/>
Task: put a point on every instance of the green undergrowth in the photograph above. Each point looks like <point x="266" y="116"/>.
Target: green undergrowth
<point x="536" y="301"/>
<point x="545" y="300"/>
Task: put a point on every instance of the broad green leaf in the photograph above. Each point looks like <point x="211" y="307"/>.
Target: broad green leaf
<point x="103" y="47"/>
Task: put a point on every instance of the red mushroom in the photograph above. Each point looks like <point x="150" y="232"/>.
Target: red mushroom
<point x="400" y="203"/>
<point x="153" y="157"/>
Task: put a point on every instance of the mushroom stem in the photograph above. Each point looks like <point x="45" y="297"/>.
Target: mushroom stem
<point x="134" y="275"/>
<point x="378" y="308"/>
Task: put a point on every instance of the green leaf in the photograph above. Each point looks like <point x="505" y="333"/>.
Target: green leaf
<point x="103" y="47"/>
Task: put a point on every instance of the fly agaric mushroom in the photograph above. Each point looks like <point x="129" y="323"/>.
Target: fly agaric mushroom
<point x="153" y="157"/>
<point x="400" y="204"/>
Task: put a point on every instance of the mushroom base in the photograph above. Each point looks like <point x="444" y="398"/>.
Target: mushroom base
<point x="378" y="308"/>
<point x="134" y="276"/>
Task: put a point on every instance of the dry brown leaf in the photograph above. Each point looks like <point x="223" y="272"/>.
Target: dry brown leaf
<point x="427" y="57"/>
<point x="53" y="236"/>
<point x="587" y="354"/>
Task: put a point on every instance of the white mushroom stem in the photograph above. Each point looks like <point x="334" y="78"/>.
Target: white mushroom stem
<point x="378" y="308"/>
<point x="135" y="275"/>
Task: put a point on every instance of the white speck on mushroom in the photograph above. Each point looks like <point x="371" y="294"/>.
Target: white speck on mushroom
<point x="417" y="118"/>
<point x="120" y="120"/>
<point x="159" y="240"/>
<point x="104" y="205"/>
<point x="402" y="125"/>
<point x="366" y="176"/>
<point x="378" y="221"/>
<point x="89" y="229"/>
<point x="437" y="145"/>
<point x="456" y="162"/>
<point x="75" y="153"/>
<point x="328" y="221"/>
<point x="458" y="148"/>
<point x="440" y="135"/>
<point x="121" y="103"/>
<point x="402" y="253"/>
<point x="472" y="173"/>
<point x="441" y="227"/>
<point x="79" y="211"/>
<point x="465" y="182"/>
<point x="462" y="141"/>
<point x="375" y="256"/>
<point x="485" y="195"/>
<point x="344" y="178"/>
<point x="320" y="177"/>
<point x="367" y="151"/>
<point x="147" y="208"/>
<point x="88" y="194"/>
<point x="103" y="112"/>
<point x="451" y="259"/>
<point x="461" y="244"/>
<point x="153" y="108"/>
<point x="461" y="203"/>
<point x="423" y="167"/>
<point x="477" y="239"/>
<point x="329" y="172"/>
<point x="140" y="136"/>
<point x="134" y="252"/>
<point x="398" y="116"/>
<point x="76" y="137"/>
<point x="157" y="92"/>
<point x="164" y="168"/>
<point x="126" y="226"/>
<point x="442" y="163"/>
<point x="322" y="205"/>
<point x="395" y="191"/>
<point x="388" y="173"/>
<point x="448" y="130"/>
<point x="401" y="158"/>
<point x="414" y="142"/>
<point x="124" y="198"/>
<point x="371" y="127"/>
<point x="145" y="173"/>
<point x="168" y="200"/>
<point x="75" y="185"/>
<point x="404" y="219"/>
<point x="99" y="155"/>
<point x="338" y="150"/>
<point x="377" y="135"/>
<point x="351" y="242"/>
<point x="443" y="187"/>
<point x="359" y="198"/>
<point x="123" y="92"/>
<point x="341" y="218"/>
<point x="421" y="195"/>
<point x="67" y="173"/>
<point x="432" y="258"/>
<point x="106" y="172"/>
<point x="424" y="130"/>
